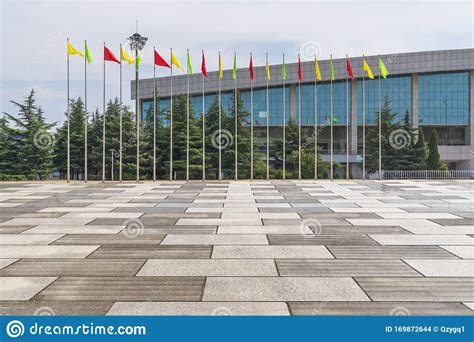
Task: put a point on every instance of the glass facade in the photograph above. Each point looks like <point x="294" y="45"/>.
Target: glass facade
<point x="398" y="91"/>
<point x="444" y="99"/>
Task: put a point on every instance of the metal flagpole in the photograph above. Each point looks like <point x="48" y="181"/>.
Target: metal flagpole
<point x="235" y="124"/>
<point x="363" y="124"/>
<point x="120" y="119"/>
<point x="103" y="127"/>
<point x="299" y="129"/>
<point x="331" y="142"/>
<point x="347" y="124"/>
<point x="154" y="118"/>
<point x="251" y="125"/>
<point x="203" y="130"/>
<point x="315" y="125"/>
<point x="284" y="125"/>
<point x="68" y="168"/>
<point x="187" y="118"/>
<point x="220" y="120"/>
<point x="85" y="110"/>
<point x="268" y="127"/>
<point x="171" y="117"/>
<point x="380" y="132"/>
<point x="137" y="109"/>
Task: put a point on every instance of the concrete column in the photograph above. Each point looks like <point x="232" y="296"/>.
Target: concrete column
<point x="353" y="131"/>
<point x="414" y="100"/>
<point x="293" y="100"/>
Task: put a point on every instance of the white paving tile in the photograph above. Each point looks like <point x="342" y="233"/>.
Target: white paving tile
<point x="48" y="251"/>
<point x="423" y="239"/>
<point x="215" y="240"/>
<point x="88" y="229"/>
<point x="417" y="215"/>
<point x="443" y="268"/>
<point x="464" y="252"/>
<point x="31" y="239"/>
<point x="226" y="215"/>
<point x="219" y="222"/>
<point x="271" y="252"/>
<point x="264" y="230"/>
<point x="208" y="267"/>
<point x="73" y="209"/>
<point x="102" y="215"/>
<point x="434" y="229"/>
<point x="45" y="221"/>
<point x="22" y="288"/>
<point x="5" y="262"/>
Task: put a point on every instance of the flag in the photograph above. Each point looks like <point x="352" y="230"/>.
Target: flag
<point x="125" y="57"/>
<point x="71" y="50"/>
<point x="283" y="70"/>
<point x="109" y="56"/>
<point x="88" y="55"/>
<point x="251" y="68"/>
<point x="160" y="61"/>
<point x="234" y="69"/>
<point x="369" y="71"/>
<point x="383" y="68"/>
<point x="190" y="67"/>
<point x="267" y="68"/>
<point x="331" y="69"/>
<point x="139" y="61"/>
<point x="300" y="73"/>
<point x="220" y="66"/>
<point x="349" y="69"/>
<point x="203" y="65"/>
<point x="175" y="61"/>
<point x="317" y="71"/>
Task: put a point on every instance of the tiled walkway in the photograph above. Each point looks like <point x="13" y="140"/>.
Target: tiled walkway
<point x="237" y="248"/>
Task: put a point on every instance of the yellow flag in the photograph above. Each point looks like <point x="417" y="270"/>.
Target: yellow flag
<point x="267" y="68"/>
<point x="125" y="57"/>
<point x="220" y="66"/>
<point x="71" y="50"/>
<point x="369" y="71"/>
<point x="317" y="71"/>
<point x="175" y="61"/>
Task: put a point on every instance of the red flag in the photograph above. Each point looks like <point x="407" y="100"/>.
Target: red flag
<point x="109" y="56"/>
<point x="349" y="69"/>
<point x="251" y="68"/>
<point x="160" y="60"/>
<point x="203" y="65"/>
<point x="300" y="73"/>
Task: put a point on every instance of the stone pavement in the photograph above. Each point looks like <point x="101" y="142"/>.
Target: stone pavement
<point x="237" y="248"/>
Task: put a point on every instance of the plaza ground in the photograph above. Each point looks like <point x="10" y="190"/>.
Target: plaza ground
<point x="237" y="248"/>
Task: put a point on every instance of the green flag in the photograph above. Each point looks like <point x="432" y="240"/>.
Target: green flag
<point x="331" y="67"/>
<point x="383" y="68"/>
<point x="234" y="69"/>
<point x="190" y="67"/>
<point x="88" y="55"/>
<point x="138" y="61"/>
<point x="283" y="71"/>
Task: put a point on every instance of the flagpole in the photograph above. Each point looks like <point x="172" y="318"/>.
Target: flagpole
<point x="203" y="129"/>
<point x="251" y="124"/>
<point x="85" y="110"/>
<point x="299" y="125"/>
<point x="137" y="109"/>
<point x="380" y="131"/>
<point x="268" y="126"/>
<point x="220" y="113"/>
<point x="187" y="117"/>
<point x="103" y="127"/>
<point x="284" y="124"/>
<point x="363" y="124"/>
<point x="315" y="125"/>
<point x="68" y="167"/>
<point x="154" y="118"/>
<point x="120" y="120"/>
<point x="235" y="120"/>
<point x="347" y="124"/>
<point x="331" y="139"/>
<point x="171" y="117"/>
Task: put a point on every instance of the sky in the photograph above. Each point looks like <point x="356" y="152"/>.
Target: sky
<point x="33" y="38"/>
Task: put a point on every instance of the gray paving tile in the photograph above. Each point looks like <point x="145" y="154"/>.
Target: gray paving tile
<point x="423" y="239"/>
<point x="117" y="239"/>
<point x="341" y="240"/>
<point x="56" y="308"/>
<point x="282" y="289"/>
<point x="390" y="252"/>
<point x="28" y="239"/>
<point x="152" y="252"/>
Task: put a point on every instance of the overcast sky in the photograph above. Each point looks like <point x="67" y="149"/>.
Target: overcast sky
<point x="33" y="37"/>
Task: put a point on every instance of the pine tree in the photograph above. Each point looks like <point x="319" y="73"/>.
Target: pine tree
<point x="35" y="141"/>
<point x="420" y="152"/>
<point x="10" y="162"/>
<point x="434" y="161"/>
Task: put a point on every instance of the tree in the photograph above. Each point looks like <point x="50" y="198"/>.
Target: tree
<point x="35" y="140"/>
<point x="434" y="161"/>
<point x="10" y="162"/>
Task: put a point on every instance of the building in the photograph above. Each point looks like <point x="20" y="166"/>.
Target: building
<point x="434" y="88"/>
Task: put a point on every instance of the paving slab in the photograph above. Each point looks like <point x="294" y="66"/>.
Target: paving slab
<point x="22" y="288"/>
